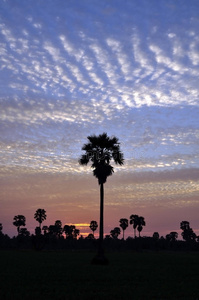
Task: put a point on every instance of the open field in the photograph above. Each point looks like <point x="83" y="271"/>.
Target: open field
<point x="70" y="275"/>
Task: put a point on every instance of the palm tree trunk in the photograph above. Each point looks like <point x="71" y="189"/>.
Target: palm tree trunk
<point x="101" y="218"/>
<point x="100" y="259"/>
<point x="123" y="234"/>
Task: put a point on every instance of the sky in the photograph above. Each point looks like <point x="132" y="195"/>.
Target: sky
<point x="70" y="69"/>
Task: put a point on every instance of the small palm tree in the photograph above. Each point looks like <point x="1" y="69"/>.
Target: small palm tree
<point x="141" y="223"/>
<point x="19" y="221"/>
<point x="115" y="232"/>
<point x="93" y="226"/>
<point x="69" y="230"/>
<point x="124" y="224"/>
<point x="100" y="150"/>
<point x="134" y="222"/>
<point x="40" y="216"/>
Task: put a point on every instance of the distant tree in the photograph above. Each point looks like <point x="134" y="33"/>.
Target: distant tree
<point x="173" y="236"/>
<point x="19" y="221"/>
<point x="124" y="224"/>
<point x="52" y="230"/>
<point x="58" y="228"/>
<point x="141" y="223"/>
<point x="184" y="225"/>
<point x="90" y="236"/>
<point x="134" y="222"/>
<point x="45" y="229"/>
<point x="115" y="232"/>
<point x="76" y="233"/>
<point x="40" y="216"/>
<point x="24" y="232"/>
<point x="187" y="234"/>
<point x="93" y="226"/>
<point x="99" y="151"/>
<point x="37" y="230"/>
<point x="156" y="236"/>
<point x="1" y="228"/>
<point x="168" y="237"/>
<point x="69" y="231"/>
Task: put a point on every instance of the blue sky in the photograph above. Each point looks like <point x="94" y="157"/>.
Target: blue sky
<point x="73" y="68"/>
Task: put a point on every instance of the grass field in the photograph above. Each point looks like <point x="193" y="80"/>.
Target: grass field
<point x="69" y="275"/>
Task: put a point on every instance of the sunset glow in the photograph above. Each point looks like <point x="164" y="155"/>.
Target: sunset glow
<point x="70" y="69"/>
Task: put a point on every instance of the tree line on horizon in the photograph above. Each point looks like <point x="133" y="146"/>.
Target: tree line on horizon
<point x="71" y="232"/>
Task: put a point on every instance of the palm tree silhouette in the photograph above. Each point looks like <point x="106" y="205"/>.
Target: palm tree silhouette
<point x="141" y="223"/>
<point x="40" y="216"/>
<point x="134" y="222"/>
<point x="123" y="225"/>
<point x="93" y="226"/>
<point x="115" y="232"/>
<point x="58" y="228"/>
<point x="19" y="221"/>
<point x="99" y="151"/>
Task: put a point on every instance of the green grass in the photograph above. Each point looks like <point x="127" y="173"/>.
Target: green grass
<point x="69" y="275"/>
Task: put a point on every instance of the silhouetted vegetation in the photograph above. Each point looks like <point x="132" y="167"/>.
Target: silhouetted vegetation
<point x="124" y="224"/>
<point x="93" y="226"/>
<point x="19" y="221"/>
<point x="57" y="236"/>
<point x="40" y="216"/>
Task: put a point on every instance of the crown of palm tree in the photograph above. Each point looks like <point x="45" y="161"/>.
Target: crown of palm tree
<point x="40" y="215"/>
<point x="99" y="151"/>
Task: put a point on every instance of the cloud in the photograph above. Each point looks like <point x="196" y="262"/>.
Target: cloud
<point x="137" y="80"/>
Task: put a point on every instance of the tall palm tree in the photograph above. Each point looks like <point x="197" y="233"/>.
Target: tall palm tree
<point x="124" y="224"/>
<point x="93" y="226"/>
<point x="100" y="150"/>
<point x="19" y="221"/>
<point x="40" y="216"/>
<point x="134" y="222"/>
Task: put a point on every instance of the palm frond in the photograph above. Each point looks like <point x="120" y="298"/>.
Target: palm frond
<point x="84" y="160"/>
